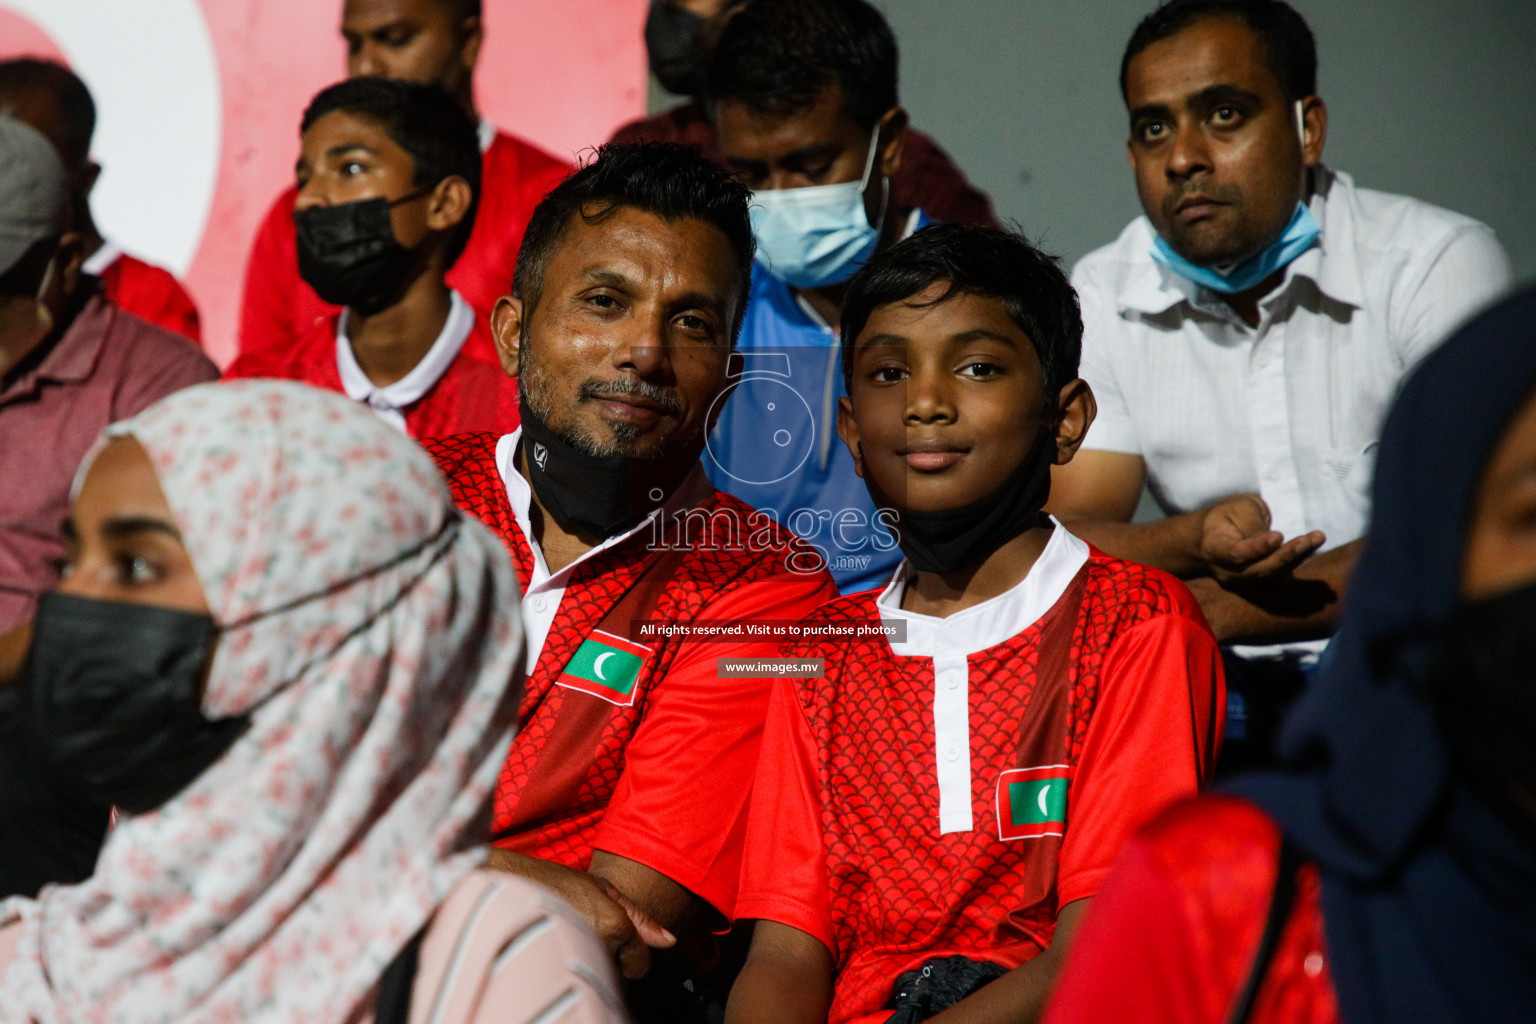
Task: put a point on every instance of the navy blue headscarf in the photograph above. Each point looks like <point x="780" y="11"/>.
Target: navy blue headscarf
<point x="1428" y="891"/>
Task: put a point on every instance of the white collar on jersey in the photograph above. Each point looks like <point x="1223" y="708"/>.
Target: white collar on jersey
<point x="486" y="132"/>
<point x="990" y="623"/>
<point x="389" y="402"/>
<point x="97" y="262"/>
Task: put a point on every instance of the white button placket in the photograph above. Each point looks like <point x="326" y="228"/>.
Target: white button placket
<point x="1270" y="420"/>
<point x="952" y="739"/>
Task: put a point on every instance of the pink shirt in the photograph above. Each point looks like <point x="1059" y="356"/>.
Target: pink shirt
<point x="108" y="366"/>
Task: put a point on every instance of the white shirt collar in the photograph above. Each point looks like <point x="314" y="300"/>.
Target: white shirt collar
<point x="97" y="263"/>
<point x="992" y="621"/>
<point x="1153" y="288"/>
<point x="486" y="132"/>
<point x="390" y="401"/>
<point x="694" y="490"/>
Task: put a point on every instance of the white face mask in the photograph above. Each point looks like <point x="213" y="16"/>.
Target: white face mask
<point x="818" y="235"/>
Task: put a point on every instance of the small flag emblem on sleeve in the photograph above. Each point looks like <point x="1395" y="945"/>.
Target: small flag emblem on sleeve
<point x="1032" y="802"/>
<point x="606" y="666"/>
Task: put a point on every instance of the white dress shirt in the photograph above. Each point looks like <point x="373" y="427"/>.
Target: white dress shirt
<point x="948" y="641"/>
<point x="1291" y="409"/>
<point x="542" y="594"/>
<point x="390" y="402"/>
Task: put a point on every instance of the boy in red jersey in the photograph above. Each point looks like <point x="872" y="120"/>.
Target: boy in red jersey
<point x="626" y="787"/>
<point x="936" y="809"/>
<point x="388" y="179"/>
<point x="434" y="42"/>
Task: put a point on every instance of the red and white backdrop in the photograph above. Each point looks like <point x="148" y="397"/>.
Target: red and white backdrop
<point x="198" y="104"/>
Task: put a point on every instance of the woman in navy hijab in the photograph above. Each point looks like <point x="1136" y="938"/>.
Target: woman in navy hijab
<point x="1389" y="874"/>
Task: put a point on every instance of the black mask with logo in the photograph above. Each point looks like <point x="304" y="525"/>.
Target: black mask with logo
<point x="598" y="495"/>
<point x="674" y="46"/>
<point x="112" y="699"/>
<point x="349" y="255"/>
<point x="958" y="538"/>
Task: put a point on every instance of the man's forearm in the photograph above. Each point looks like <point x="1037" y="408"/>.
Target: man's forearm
<point x="13" y="652"/>
<point x="672" y="905"/>
<point x="1171" y="544"/>
<point x="1303" y="605"/>
<point x="1019" y="997"/>
<point x="780" y="986"/>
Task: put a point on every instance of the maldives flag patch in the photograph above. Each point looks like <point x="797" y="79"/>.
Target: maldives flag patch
<point x="606" y="666"/>
<point x="1032" y="802"/>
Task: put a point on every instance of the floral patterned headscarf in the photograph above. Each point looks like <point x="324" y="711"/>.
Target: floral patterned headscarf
<point x="371" y="633"/>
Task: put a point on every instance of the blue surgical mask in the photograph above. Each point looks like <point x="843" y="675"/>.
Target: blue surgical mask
<point x="1299" y="236"/>
<point x="818" y="235"/>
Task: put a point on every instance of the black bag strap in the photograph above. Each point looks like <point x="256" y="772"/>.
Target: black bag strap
<point x="394" y="1003"/>
<point x="1280" y="903"/>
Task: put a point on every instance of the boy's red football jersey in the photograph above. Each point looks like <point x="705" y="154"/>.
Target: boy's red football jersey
<point x="147" y="291"/>
<point x="1200" y="879"/>
<point x="640" y="746"/>
<point x="279" y="307"/>
<point x="947" y="793"/>
<point x="470" y="394"/>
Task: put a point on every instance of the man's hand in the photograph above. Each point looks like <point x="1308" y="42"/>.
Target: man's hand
<point x="627" y="930"/>
<point x="1240" y="548"/>
<point x="13" y="652"/>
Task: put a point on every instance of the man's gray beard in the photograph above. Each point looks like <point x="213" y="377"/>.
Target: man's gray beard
<point x="625" y="435"/>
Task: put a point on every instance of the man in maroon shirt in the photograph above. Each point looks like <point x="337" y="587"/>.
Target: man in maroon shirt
<point x="434" y="42"/>
<point x="70" y="363"/>
<point x="676" y="42"/>
<point x="52" y="99"/>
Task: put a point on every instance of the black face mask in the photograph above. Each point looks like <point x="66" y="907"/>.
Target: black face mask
<point x="673" y="39"/>
<point x="112" y="706"/>
<point x="958" y="538"/>
<point x="1483" y="682"/>
<point x="348" y="253"/>
<point x="598" y="495"/>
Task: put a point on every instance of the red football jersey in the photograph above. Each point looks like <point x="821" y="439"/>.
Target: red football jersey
<point x="152" y="294"/>
<point x="918" y="802"/>
<point x="660" y="774"/>
<point x="1174" y="930"/>
<point x="279" y="307"/>
<point x="473" y="394"/>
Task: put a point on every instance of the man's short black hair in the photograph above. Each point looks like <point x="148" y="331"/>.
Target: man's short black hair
<point x="779" y="56"/>
<point x="664" y="179"/>
<point x="459" y="10"/>
<point x="28" y="74"/>
<point x="441" y="138"/>
<point x="1289" y="48"/>
<point x="980" y="261"/>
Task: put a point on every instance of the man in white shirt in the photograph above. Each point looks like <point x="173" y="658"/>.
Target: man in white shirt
<point x="1245" y="337"/>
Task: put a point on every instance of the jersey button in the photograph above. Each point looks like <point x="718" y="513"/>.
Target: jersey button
<point x="950" y="679"/>
<point x="539" y="604"/>
<point x="952" y="753"/>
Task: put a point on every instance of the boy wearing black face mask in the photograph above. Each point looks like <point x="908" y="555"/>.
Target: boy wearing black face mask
<point x="935" y="811"/>
<point x="389" y="177"/>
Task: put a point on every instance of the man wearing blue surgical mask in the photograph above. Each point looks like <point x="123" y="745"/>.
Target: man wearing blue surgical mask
<point x="1245" y="337"/>
<point x="805" y="101"/>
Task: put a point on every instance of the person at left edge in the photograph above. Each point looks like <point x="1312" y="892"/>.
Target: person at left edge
<point x="388" y="178"/>
<point x="627" y="784"/>
<point x="805" y="101"/>
<point x="53" y="99"/>
<point x="435" y="42"/>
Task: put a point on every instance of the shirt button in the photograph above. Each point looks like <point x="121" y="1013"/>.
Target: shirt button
<point x="539" y="604"/>
<point x="1273" y="474"/>
<point x="1313" y="964"/>
<point x="1262" y="359"/>
<point x="950" y="679"/>
<point x="951" y="753"/>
